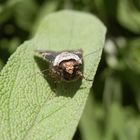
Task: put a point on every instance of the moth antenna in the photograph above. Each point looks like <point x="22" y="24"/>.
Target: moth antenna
<point x="92" y="52"/>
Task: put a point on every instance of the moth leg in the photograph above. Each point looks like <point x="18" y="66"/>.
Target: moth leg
<point x="83" y="77"/>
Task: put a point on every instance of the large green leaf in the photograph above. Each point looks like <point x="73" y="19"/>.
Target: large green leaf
<point x="29" y="108"/>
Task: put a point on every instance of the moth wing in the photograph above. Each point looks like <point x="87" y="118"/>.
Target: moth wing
<point x="49" y="55"/>
<point x="79" y="53"/>
<point x="91" y="53"/>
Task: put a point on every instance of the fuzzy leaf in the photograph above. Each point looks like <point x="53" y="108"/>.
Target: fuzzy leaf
<point x="29" y="107"/>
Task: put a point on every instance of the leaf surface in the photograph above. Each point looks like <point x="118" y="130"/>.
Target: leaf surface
<point x="29" y="107"/>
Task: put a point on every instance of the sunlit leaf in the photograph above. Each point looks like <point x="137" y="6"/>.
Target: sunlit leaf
<point x="29" y="108"/>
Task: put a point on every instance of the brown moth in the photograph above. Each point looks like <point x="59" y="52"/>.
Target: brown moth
<point x="65" y="65"/>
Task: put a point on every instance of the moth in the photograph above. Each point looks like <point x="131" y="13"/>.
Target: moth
<point x="65" y="65"/>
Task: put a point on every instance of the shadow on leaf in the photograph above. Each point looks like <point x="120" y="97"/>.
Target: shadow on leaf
<point x="61" y="88"/>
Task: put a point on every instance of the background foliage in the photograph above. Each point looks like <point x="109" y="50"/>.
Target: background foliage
<point x="113" y="109"/>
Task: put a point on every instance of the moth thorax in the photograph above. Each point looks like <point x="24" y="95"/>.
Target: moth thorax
<point x="66" y="56"/>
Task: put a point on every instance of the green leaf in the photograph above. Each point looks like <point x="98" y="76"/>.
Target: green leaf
<point x="129" y="15"/>
<point x="29" y="108"/>
<point x="121" y="123"/>
<point x="91" y="123"/>
<point x="132" y="58"/>
<point x="132" y="128"/>
<point x="26" y="19"/>
<point x="48" y="7"/>
<point x="114" y="128"/>
<point x="6" y="10"/>
<point x="132" y="73"/>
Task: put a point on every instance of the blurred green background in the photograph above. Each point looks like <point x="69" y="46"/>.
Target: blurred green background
<point x="113" y="109"/>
